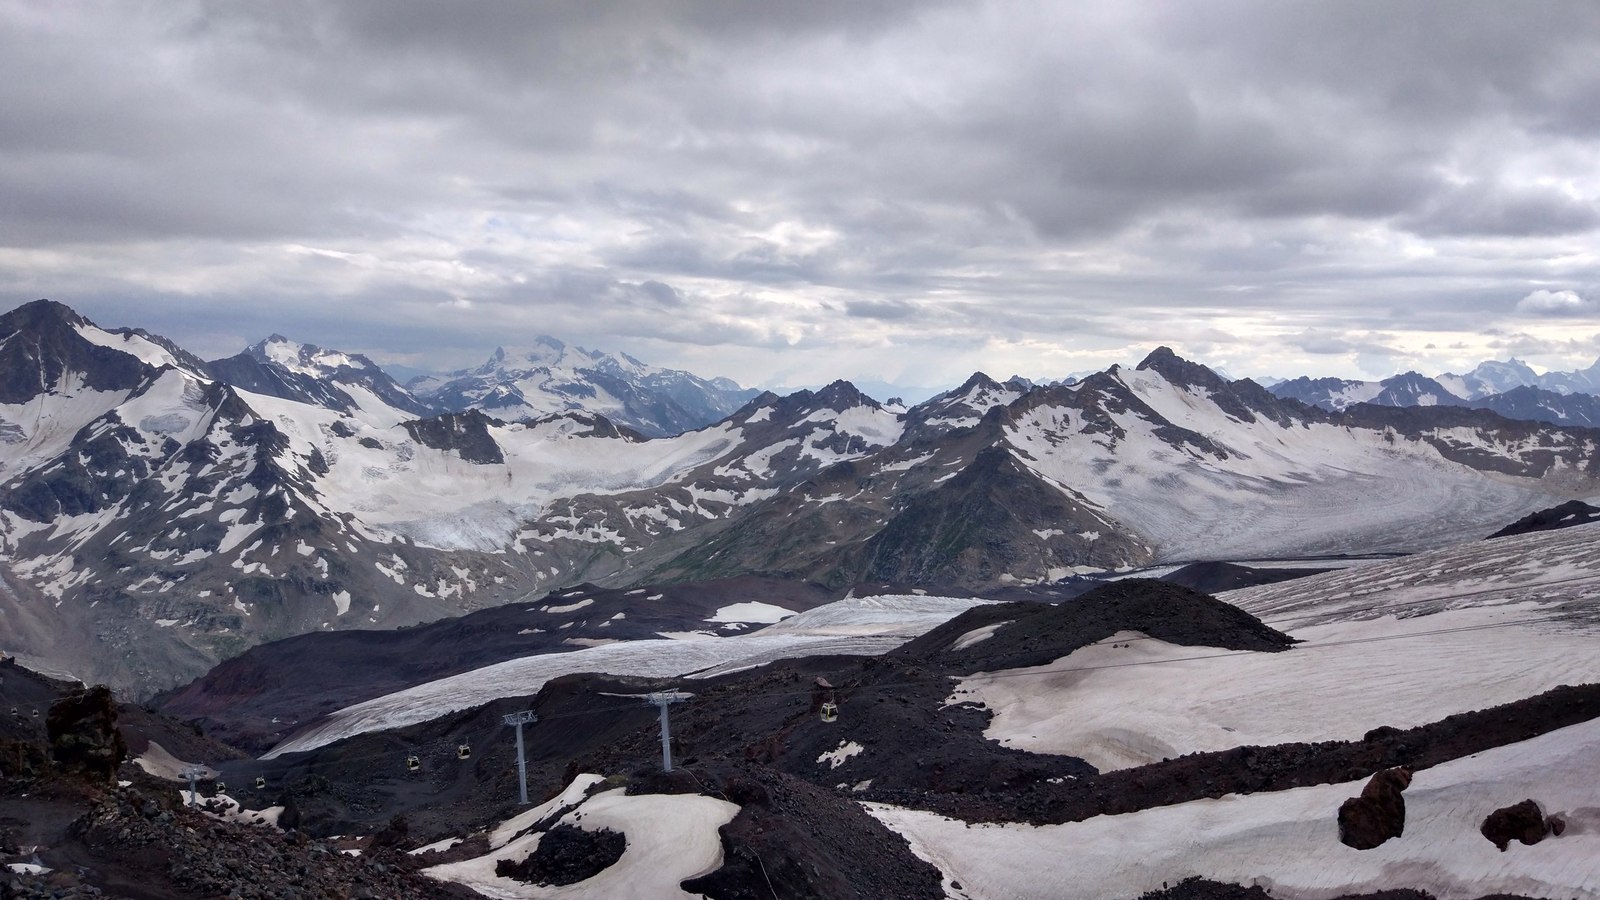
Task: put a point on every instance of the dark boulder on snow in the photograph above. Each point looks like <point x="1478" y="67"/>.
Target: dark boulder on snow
<point x="1568" y="514"/>
<point x="1525" y="822"/>
<point x="566" y="854"/>
<point x="1378" y="814"/>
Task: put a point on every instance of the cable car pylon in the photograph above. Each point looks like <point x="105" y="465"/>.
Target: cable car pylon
<point x="520" y="719"/>
<point x="663" y="699"/>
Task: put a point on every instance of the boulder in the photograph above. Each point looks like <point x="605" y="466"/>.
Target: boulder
<point x="1378" y="814"/>
<point x="1525" y="822"/>
<point x="83" y="734"/>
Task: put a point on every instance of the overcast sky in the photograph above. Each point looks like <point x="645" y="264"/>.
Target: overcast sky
<point x="791" y="193"/>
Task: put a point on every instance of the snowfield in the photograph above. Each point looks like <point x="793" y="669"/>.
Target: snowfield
<point x="1356" y="675"/>
<point x="1396" y="642"/>
<point x="1558" y="569"/>
<point x="1288" y="841"/>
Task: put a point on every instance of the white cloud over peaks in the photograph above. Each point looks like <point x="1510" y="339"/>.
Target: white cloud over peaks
<point x="1557" y="303"/>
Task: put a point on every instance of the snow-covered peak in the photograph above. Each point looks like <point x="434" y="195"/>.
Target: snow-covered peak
<point x="1179" y="371"/>
<point x="1491" y="377"/>
<point x="963" y="406"/>
<point x="544" y="353"/>
<point x="551" y="376"/>
<point x="1414" y="389"/>
<point x="306" y="359"/>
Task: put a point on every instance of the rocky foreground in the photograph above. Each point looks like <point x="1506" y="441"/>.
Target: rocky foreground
<point x="343" y="821"/>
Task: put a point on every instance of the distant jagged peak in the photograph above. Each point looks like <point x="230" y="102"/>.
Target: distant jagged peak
<point x="544" y="352"/>
<point x="841" y="395"/>
<point x="306" y="359"/>
<point x="977" y="394"/>
<point x="1180" y="371"/>
<point x="976" y="381"/>
<point x="41" y="311"/>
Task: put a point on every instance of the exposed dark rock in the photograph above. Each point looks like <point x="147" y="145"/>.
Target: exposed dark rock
<point x="1216" y="577"/>
<point x="466" y="433"/>
<point x="1038" y="633"/>
<point x="1378" y="814"/>
<point x="1525" y="822"/>
<point x="566" y="854"/>
<point x="1568" y="514"/>
<point x="83" y="734"/>
<point x="395" y="835"/>
<point x="795" y="841"/>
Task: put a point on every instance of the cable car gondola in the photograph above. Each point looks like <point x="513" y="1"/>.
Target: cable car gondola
<point x="412" y="763"/>
<point x="261" y="782"/>
<point x="830" y="712"/>
<point x="463" y="752"/>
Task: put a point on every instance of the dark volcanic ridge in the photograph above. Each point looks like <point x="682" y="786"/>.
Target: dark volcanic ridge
<point x="257" y="698"/>
<point x="1573" y="512"/>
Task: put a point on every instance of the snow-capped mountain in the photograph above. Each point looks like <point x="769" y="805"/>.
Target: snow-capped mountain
<point x="160" y="519"/>
<point x="554" y="377"/>
<point x="180" y="518"/>
<point x="1491" y="377"/>
<point x="279" y="367"/>
<point x="1335" y="394"/>
<point x="1499" y="377"/>
<point x="1411" y="389"/>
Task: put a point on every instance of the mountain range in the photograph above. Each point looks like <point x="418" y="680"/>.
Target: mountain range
<point x="159" y="513"/>
<point x="1509" y="388"/>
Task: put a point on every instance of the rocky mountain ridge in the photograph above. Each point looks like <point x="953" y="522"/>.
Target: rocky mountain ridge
<point x="1509" y="389"/>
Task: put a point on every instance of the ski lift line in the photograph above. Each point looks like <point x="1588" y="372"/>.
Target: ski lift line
<point x="869" y="689"/>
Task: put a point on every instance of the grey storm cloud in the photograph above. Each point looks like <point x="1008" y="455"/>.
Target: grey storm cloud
<point x="1041" y="187"/>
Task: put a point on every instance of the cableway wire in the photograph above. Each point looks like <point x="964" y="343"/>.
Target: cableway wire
<point x="1034" y="671"/>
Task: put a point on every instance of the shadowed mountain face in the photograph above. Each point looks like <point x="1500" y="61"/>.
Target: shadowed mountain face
<point x="167" y="519"/>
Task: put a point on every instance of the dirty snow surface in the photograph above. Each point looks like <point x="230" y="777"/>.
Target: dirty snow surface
<point x="865" y="626"/>
<point x="1386" y="671"/>
<point x="1399" y="642"/>
<point x="1288" y="841"/>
